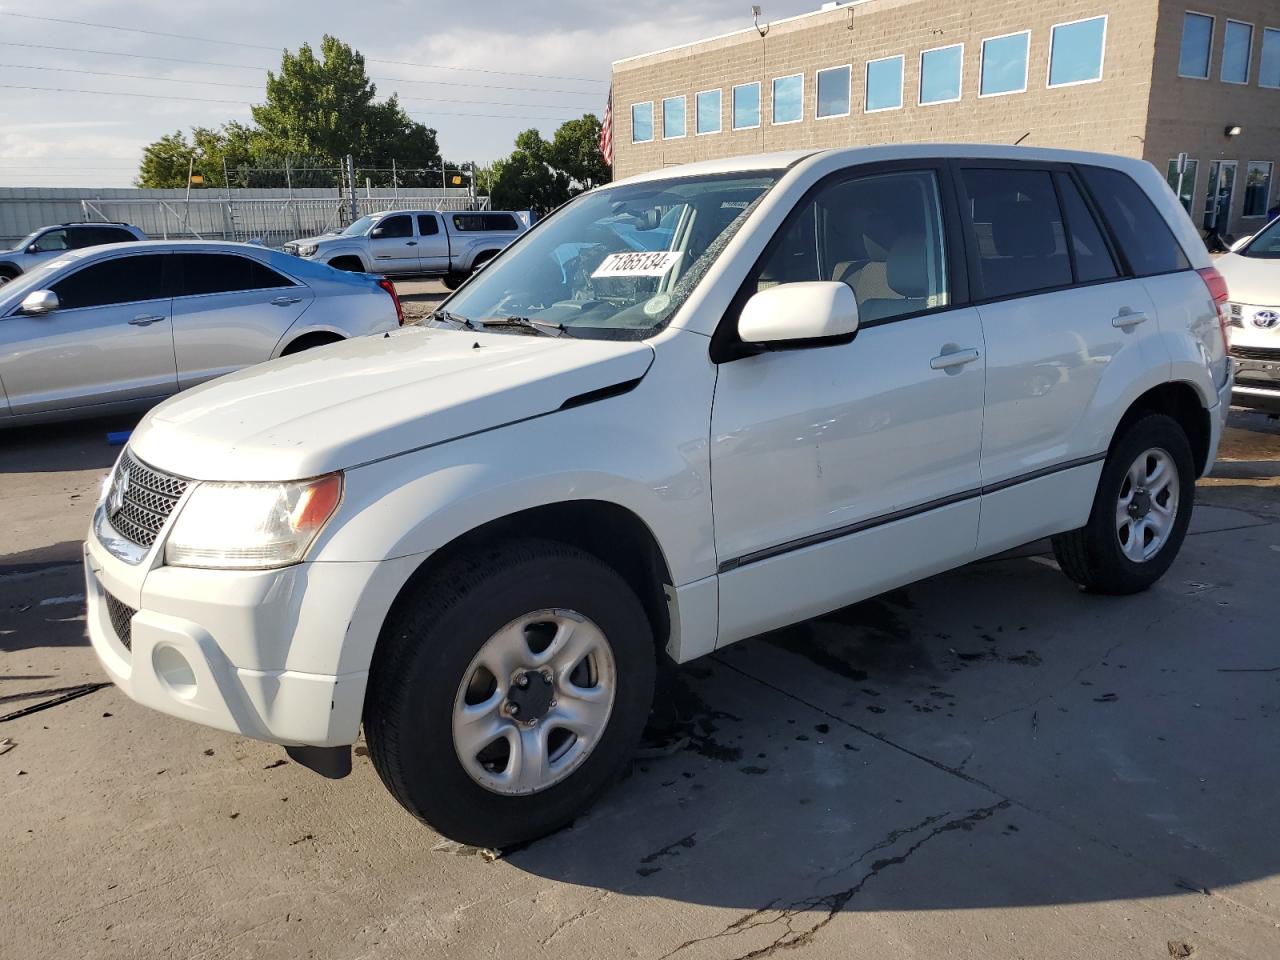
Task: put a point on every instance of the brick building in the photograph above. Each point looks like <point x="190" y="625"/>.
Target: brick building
<point x="1143" y="78"/>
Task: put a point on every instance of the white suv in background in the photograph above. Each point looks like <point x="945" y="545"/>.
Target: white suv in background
<point x="839" y="372"/>
<point x="1252" y="272"/>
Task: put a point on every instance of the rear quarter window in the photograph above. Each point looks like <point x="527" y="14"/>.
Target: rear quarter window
<point x="477" y="222"/>
<point x="1144" y="237"/>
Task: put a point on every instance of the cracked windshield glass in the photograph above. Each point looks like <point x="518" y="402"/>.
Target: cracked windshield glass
<point x="615" y="264"/>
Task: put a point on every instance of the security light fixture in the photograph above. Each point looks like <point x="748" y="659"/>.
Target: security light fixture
<point x="1233" y="130"/>
<point x="755" y="18"/>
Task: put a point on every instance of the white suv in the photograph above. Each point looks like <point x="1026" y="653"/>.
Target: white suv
<point x="838" y="372"/>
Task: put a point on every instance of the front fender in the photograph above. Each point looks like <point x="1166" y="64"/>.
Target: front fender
<point x="326" y="255"/>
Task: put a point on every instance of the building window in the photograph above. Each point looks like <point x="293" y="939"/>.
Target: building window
<point x="1197" y="40"/>
<point x="642" y="122"/>
<point x="833" y="92"/>
<point x="1004" y="64"/>
<point x="884" y="84"/>
<point x="1269" y="69"/>
<point x="1257" y="188"/>
<point x="940" y="71"/>
<point x="746" y="106"/>
<point x="1075" y="52"/>
<point x="1237" y="51"/>
<point x="673" y="118"/>
<point x="1187" y="189"/>
<point x="708" y="105"/>
<point x="788" y="99"/>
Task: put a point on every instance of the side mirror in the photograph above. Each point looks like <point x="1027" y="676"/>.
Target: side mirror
<point x="1241" y="242"/>
<point x="376" y="232"/>
<point x="800" y="314"/>
<point x="39" y="302"/>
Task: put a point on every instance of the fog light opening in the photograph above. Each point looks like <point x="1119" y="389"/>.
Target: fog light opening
<point x="174" y="672"/>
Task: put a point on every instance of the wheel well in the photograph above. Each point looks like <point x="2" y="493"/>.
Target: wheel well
<point x="484" y="256"/>
<point x="1181" y="402"/>
<point x="352" y="264"/>
<point x="9" y="271"/>
<point x="612" y="533"/>
<point x="309" y="340"/>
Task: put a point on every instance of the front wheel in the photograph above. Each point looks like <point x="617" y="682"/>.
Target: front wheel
<point x="1140" y="512"/>
<point x="509" y="690"/>
<point x="452" y="281"/>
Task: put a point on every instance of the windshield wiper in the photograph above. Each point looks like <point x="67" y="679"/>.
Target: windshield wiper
<point x="525" y="323"/>
<point x="449" y="317"/>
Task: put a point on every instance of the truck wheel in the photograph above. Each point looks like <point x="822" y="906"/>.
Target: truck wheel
<point x="452" y="281"/>
<point x="7" y="274"/>
<point x="1140" y="512"/>
<point x="350" y="264"/>
<point x="508" y="690"/>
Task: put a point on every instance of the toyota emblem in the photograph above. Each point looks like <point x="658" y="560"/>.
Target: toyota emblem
<point x="1266" y="319"/>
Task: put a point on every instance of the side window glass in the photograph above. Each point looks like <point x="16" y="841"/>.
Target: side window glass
<point x="114" y="235"/>
<point x="1018" y="231"/>
<point x="206" y="273"/>
<point x="122" y="280"/>
<point x="428" y="226"/>
<point x="80" y="237"/>
<point x="1093" y="259"/>
<point x="394" y="228"/>
<point x="52" y="241"/>
<point x="881" y="234"/>
<point x="1148" y="243"/>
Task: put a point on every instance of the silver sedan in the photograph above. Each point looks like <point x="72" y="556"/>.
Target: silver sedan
<point x="120" y="327"/>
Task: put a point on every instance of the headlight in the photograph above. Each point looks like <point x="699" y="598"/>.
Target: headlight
<point x="251" y="526"/>
<point x="309" y="250"/>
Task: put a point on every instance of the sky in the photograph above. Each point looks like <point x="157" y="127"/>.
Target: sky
<point x="527" y="63"/>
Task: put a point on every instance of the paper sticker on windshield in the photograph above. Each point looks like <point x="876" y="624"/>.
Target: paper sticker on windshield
<point x="653" y="264"/>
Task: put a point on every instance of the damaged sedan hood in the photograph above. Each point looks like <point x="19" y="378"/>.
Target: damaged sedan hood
<point x="339" y="406"/>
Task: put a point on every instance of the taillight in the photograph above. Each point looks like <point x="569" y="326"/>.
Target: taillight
<point x="1217" y="285"/>
<point x="390" y="287"/>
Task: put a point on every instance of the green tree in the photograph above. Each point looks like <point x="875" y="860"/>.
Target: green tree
<point x="526" y="180"/>
<point x="165" y="162"/>
<point x="575" y="150"/>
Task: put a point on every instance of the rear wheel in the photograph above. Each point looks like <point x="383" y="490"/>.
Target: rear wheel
<point x="1140" y="512"/>
<point x="350" y="264"/>
<point x="509" y="690"/>
<point x="7" y="274"/>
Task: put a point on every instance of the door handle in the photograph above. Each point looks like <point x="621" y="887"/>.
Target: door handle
<point x="958" y="358"/>
<point x="144" y="320"/>
<point x="285" y="301"/>
<point x="1127" y="318"/>
<point x="411" y="243"/>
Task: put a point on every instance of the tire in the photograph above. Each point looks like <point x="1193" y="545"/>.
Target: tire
<point x="7" y="275"/>
<point x="425" y="671"/>
<point x="1119" y="551"/>
<point x="452" y="281"/>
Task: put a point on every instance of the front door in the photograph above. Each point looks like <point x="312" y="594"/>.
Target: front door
<point x="229" y="311"/>
<point x="394" y="245"/>
<point x="111" y="340"/>
<point x="842" y="471"/>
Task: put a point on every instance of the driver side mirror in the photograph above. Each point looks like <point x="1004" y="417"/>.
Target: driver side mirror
<point x="39" y="302"/>
<point x="376" y="232"/>
<point x="812" y="313"/>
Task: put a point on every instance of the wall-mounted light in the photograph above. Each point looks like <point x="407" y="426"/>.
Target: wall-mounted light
<point x="1233" y="130"/>
<point x="755" y="18"/>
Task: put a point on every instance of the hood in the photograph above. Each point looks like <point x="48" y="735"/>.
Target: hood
<point x="343" y="405"/>
<point x="1251" y="280"/>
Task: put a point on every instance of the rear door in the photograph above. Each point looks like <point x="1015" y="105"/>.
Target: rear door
<point x="433" y="243"/>
<point x="394" y="245"/>
<point x="111" y="340"/>
<point x="229" y="311"/>
<point x="1063" y="323"/>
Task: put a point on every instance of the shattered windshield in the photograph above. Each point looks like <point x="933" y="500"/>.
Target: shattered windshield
<point x="616" y="263"/>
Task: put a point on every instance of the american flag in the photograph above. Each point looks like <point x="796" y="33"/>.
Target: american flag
<point x="606" y="130"/>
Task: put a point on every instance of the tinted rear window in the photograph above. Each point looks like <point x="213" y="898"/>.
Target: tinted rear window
<point x="473" y="222"/>
<point x="204" y="273"/>
<point x="1144" y="237"/>
<point x="428" y="226"/>
<point x="1020" y="240"/>
<point x="1093" y="259"/>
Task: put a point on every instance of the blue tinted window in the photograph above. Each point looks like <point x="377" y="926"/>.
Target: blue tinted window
<point x="940" y="74"/>
<point x="884" y="84"/>
<point x="709" y="111"/>
<point x="833" y="92"/>
<point x="672" y="118"/>
<point x="788" y="99"/>
<point x="1269" y="69"/>
<point x="1004" y="64"/>
<point x="1197" y="37"/>
<point x="1237" y="44"/>
<point x="746" y="106"/>
<point x="641" y="122"/>
<point x="1075" y="54"/>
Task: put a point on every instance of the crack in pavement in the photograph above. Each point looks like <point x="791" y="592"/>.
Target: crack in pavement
<point x="788" y="914"/>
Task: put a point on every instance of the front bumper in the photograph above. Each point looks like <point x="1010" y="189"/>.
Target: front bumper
<point x="236" y="650"/>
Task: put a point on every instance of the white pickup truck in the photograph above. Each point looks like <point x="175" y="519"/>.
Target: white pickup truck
<point x="427" y="243"/>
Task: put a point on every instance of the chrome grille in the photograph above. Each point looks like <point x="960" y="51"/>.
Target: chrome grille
<point x="141" y="499"/>
<point x="121" y="615"/>
<point x="1256" y="353"/>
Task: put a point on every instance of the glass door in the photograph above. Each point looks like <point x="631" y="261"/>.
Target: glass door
<point x="1218" y="194"/>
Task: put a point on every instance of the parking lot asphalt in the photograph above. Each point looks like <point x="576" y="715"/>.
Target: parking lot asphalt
<point x="986" y="764"/>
